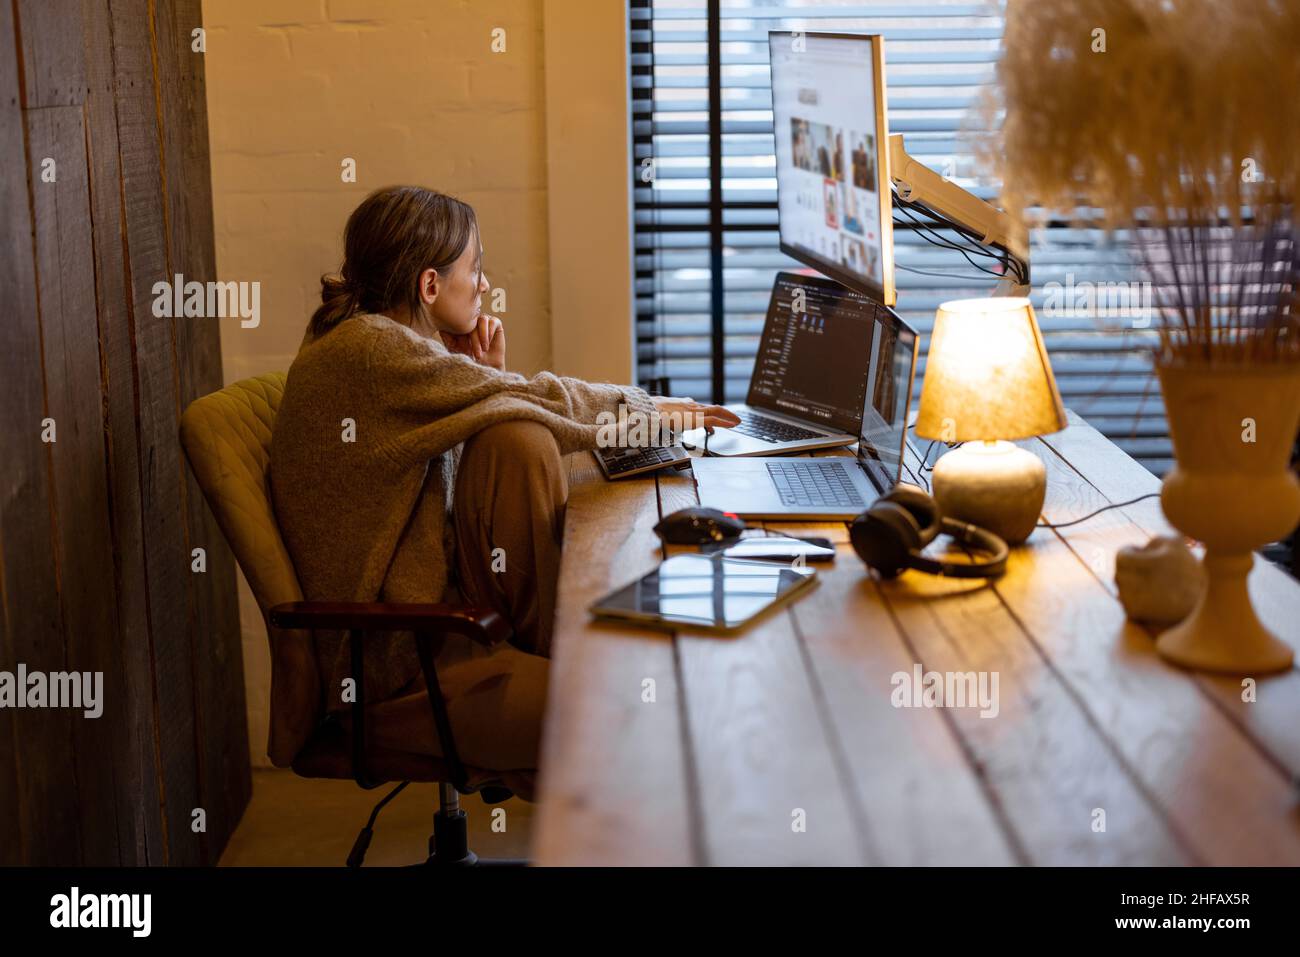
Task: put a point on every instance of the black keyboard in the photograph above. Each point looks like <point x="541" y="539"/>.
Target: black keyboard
<point x="772" y="430"/>
<point x="823" y="482"/>
<point x="619" y="463"/>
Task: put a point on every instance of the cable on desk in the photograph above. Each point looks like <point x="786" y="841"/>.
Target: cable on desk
<point x="917" y="478"/>
<point x="1105" y="508"/>
<point x="919" y="475"/>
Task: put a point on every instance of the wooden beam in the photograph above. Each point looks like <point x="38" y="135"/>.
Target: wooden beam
<point x="162" y="512"/>
<point x="142" y="836"/>
<point x="225" y="780"/>
<point x="38" y="782"/>
<point x="79" y="489"/>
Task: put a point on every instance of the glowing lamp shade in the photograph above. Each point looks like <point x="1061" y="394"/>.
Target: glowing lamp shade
<point x="988" y="381"/>
<point x="987" y="375"/>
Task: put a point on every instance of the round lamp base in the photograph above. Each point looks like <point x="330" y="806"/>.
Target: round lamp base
<point x="994" y="485"/>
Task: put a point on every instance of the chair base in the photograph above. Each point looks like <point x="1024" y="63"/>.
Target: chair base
<point x="449" y="845"/>
<point x="473" y="860"/>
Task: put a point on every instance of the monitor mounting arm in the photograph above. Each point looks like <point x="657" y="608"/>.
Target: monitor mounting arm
<point x="919" y="184"/>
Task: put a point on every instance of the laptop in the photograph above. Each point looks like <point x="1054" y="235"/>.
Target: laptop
<point x="810" y="374"/>
<point x="831" y="487"/>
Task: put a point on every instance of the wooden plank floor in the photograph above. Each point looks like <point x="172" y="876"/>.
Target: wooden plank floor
<point x="791" y="721"/>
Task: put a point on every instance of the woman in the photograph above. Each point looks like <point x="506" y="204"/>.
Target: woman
<point x="408" y="465"/>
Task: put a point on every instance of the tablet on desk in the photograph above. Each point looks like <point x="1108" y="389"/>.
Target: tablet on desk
<point x="711" y="592"/>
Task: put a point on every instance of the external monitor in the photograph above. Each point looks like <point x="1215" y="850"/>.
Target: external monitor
<point x="832" y="157"/>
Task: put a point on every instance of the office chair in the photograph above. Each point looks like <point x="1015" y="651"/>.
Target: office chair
<point x="227" y="437"/>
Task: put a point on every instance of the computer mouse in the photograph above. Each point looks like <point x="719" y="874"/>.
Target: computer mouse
<point x="698" y="526"/>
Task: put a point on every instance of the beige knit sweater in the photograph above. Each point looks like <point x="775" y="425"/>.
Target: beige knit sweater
<point x="366" y="519"/>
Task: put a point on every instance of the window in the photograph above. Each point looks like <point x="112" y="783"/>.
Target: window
<point x="705" y="204"/>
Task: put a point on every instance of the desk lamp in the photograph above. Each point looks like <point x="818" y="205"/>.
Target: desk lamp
<point x="988" y="381"/>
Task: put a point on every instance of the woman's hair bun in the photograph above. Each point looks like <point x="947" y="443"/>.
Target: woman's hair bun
<point x="334" y="285"/>
<point x="338" y="298"/>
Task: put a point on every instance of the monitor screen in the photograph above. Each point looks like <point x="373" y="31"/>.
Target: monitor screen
<point x="888" y="397"/>
<point x="832" y="156"/>
<point x="813" y="355"/>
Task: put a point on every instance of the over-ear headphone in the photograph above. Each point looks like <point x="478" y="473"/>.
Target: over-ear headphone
<point x="890" y="536"/>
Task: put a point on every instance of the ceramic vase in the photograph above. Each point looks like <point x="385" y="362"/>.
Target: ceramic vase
<point x="1233" y="427"/>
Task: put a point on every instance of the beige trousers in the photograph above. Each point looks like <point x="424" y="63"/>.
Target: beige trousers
<point x="509" y="517"/>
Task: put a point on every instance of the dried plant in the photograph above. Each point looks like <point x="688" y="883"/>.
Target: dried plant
<point x="1180" y="120"/>
<point x="1227" y="293"/>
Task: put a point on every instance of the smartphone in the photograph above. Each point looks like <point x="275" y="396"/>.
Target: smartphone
<point x="782" y="548"/>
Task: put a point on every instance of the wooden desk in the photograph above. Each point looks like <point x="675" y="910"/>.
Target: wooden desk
<point x="795" y="713"/>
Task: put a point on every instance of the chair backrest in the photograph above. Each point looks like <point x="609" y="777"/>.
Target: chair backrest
<point x="227" y="439"/>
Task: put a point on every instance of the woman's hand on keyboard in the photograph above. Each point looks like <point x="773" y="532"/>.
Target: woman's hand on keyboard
<point x="695" y="415"/>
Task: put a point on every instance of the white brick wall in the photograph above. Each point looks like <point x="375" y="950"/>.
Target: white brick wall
<point x="413" y="92"/>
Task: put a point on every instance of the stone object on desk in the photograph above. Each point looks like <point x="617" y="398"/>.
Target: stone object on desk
<point x="1160" y="582"/>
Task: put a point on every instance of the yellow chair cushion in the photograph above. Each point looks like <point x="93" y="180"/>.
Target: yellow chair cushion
<point x="227" y="439"/>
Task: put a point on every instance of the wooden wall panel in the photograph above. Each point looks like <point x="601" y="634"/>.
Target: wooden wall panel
<point x="65" y="270"/>
<point x="225" y="780"/>
<point x="13" y="219"/>
<point x="140" y="775"/>
<point x="96" y="529"/>
<point x="41" y="790"/>
<point x="166" y="550"/>
<point x="54" y="72"/>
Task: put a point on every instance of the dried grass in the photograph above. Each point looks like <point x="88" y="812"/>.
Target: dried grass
<point x="1159" y="131"/>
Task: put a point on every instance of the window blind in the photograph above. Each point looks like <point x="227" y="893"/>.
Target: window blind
<point x="705" y="216"/>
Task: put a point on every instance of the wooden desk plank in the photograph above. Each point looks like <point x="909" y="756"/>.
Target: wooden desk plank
<point x="614" y="783"/>
<point x="1272" y="718"/>
<point x="922" y="801"/>
<point x="1222" y="798"/>
<point x="759" y="742"/>
<point x="1040" y="755"/>
<point x="1044" y="757"/>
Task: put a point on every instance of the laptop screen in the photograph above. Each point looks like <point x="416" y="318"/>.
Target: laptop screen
<point x="812" y="359"/>
<point x="887" y="398"/>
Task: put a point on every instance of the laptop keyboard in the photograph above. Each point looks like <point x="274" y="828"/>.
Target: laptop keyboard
<point x="772" y="430"/>
<point x="822" y="482"/>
